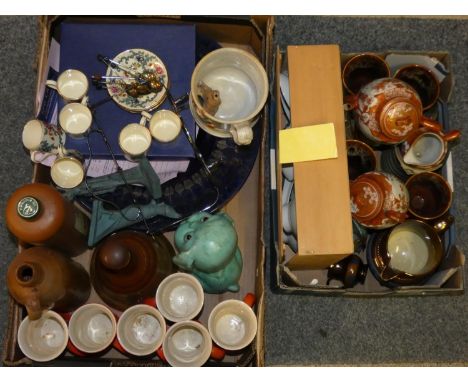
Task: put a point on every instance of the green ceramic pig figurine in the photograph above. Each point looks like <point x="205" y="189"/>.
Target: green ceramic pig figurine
<point x="207" y="246"/>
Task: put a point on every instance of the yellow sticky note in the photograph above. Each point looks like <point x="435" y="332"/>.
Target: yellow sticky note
<point x="307" y="143"/>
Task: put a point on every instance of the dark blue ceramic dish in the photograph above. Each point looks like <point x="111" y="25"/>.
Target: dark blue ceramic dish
<point x="193" y="190"/>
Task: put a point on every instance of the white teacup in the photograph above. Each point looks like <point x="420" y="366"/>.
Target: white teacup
<point x="71" y="85"/>
<point x="164" y="125"/>
<point x="188" y="344"/>
<point x="92" y="328"/>
<point x="76" y="119"/>
<point x="67" y="171"/>
<point x="135" y="140"/>
<point x="232" y="324"/>
<point x="39" y="136"/>
<point x="141" y="330"/>
<point x="44" y="339"/>
<point x="180" y="297"/>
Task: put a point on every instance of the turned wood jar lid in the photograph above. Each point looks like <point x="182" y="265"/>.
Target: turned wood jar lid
<point x="366" y="198"/>
<point x="400" y="117"/>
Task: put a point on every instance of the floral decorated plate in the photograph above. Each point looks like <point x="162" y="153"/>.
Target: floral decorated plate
<point x="137" y="61"/>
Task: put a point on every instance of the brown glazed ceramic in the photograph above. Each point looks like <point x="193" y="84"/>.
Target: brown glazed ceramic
<point x="362" y="69"/>
<point x="361" y="158"/>
<point x="38" y="214"/>
<point x="128" y="266"/>
<point x="388" y="110"/>
<point x="349" y="271"/>
<point x="430" y="195"/>
<point x="423" y="81"/>
<point x="378" y="200"/>
<point x="41" y="278"/>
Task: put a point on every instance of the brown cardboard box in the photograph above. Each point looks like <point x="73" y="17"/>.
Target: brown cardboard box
<point x="324" y="229"/>
<point x="246" y="207"/>
<point x="448" y="280"/>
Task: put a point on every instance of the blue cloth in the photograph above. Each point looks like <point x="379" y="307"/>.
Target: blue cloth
<point x="80" y="43"/>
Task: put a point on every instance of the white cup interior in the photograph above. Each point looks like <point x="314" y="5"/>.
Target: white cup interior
<point x="411" y="249"/>
<point x="75" y="118"/>
<point x="44" y="339"/>
<point x="187" y="343"/>
<point x="33" y="134"/>
<point x="240" y="80"/>
<point x="92" y="328"/>
<point x="67" y="172"/>
<point x="72" y="84"/>
<point x="232" y="324"/>
<point x="180" y="297"/>
<point x="165" y="126"/>
<point x="134" y="139"/>
<point x="141" y="330"/>
<point x="427" y="150"/>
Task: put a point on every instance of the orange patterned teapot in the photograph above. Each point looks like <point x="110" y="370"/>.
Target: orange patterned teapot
<point x="388" y="110"/>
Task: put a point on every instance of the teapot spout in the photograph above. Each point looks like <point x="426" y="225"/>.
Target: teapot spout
<point x="33" y="307"/>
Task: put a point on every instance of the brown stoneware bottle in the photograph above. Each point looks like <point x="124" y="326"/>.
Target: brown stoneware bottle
<point x="42" y="278"/>
<point x="38" y="214"/>
<point x="128" y="266"/>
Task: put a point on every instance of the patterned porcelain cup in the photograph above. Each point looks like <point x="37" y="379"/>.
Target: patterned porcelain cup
<point x="363" y="69"/>
<point x="39" y="136"/>
<point x="72" y="85"/>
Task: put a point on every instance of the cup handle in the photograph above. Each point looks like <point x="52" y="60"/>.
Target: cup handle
<point x="430" y="124"/>
<point x="51" y="84"/>
<point x="33" y="156"/>
<point x="443" y="224"/>
<point x="242" y="134"/>
<point x="84" y="100"/>
<point x="250" y="299"/>
<point x="145" y="117"/>
<point x="451" y="135"/>
<point x="217" y="353"/>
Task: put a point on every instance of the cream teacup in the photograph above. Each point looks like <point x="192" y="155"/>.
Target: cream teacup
<point x="44" y="339"/>
<point x="187" y="343"/>
<point x="71" y="85"/>
<point x="76" y="119"/>
<point x="67" y="170"/>
<point x="164" y="125"/>
<point x="92" y="328"/>
<point x="232" y="323"/>
<point x="135" y="140"/>
<point x="180" y="297"/>
<point x="141" y="330"/>
<point x="39" y="136"/>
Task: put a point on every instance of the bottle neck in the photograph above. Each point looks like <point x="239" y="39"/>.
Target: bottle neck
<point x="29" y="274"/>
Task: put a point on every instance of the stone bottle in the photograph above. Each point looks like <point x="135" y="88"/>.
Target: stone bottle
<point x="37" y="214"/>
<point x="42" y="278"/>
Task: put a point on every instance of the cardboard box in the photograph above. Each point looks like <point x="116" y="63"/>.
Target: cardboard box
<point x="324" y="228"/>
<point x="449" y="279"/>
<point x="246" y="207"/>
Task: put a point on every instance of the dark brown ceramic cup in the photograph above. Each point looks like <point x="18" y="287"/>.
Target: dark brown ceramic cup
<point x="362" y="69"/>
<point x="430" y="195"/>
<point x="423" y="81"/>
<point x="361" y="158"/>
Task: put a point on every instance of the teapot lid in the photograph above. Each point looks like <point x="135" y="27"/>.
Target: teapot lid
<point x="399" y="117"/>
<point x="366" y="198"/>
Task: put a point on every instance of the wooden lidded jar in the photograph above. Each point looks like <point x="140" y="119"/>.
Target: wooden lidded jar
<point x="38" y="214"/>
<point x="42" y="278"/>
<point x="128" y="266"/>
